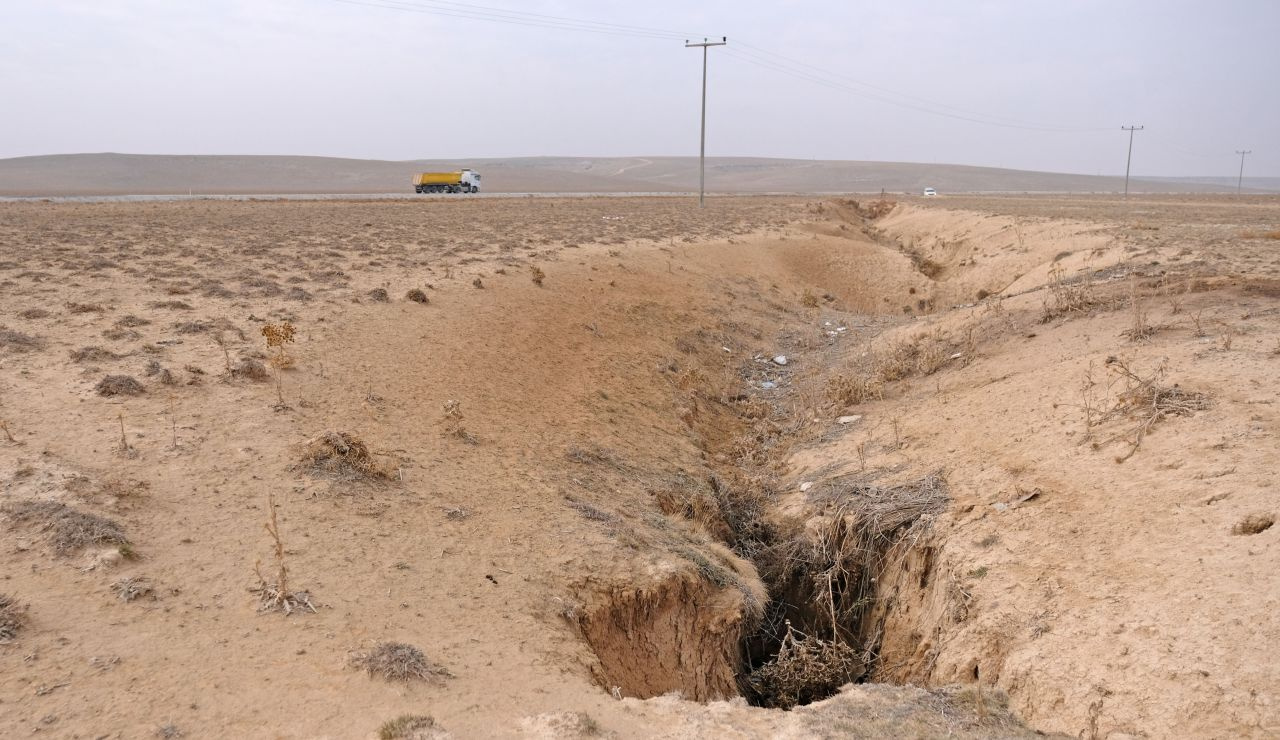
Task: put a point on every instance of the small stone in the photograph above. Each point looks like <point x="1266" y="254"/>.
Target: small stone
<point x="780" y="360"/>
<point x="848" y="419"/>
<point x="957" y="355"/>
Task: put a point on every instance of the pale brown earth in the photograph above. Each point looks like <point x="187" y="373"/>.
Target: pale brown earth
<point x="557" y="540"/>
<point x="117" y="174"/>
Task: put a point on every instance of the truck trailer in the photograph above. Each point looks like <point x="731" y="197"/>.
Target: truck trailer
<point x="462" y="181"/>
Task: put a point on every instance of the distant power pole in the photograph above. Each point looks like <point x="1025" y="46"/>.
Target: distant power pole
<point x="1129" y="160"/>
<point x="702" y="149"/>
<point x="1240" y="179"/>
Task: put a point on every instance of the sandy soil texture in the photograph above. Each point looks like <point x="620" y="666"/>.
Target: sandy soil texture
<point x="574" y="467"/>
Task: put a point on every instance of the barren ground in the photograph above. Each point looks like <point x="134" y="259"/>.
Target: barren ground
<point x="1021" y="452"/>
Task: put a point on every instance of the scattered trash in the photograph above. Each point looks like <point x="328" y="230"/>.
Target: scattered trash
<point x="780" y="360"/>
<point x="726" y="349"/>
<point x="768" y="385"/>
<point x="806" y="486"/>
<point x="848" y="419"/>
<point x="1000" y="506"/>
<point x="1025" y="497"/>
<point x="957" y="355"/>
<point x="842" y="328"/>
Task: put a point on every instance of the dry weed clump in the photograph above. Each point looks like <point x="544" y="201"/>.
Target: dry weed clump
<point x="78" y="308"/>
<point x="398" y="661"/>
<point x="1067" y="296"/>
<point x="417" y="296"/>
<point x="1142" y="400"/>
<point x="452" y="421"/>
<point x="119" y="385"/>
<point x="250" y="369"/>
<point x="276" y="595"/>
<point x="1255" y="523"/>
<point x="67" y="529"/>
<point x="13" y="616"/>
<point x="94" y="354"/>
<point x="806" y="669"/>
<point x="342" y="456"/>
<point x="922" y="355"/>
<point x="537" y="275"/>
<point x="379" y="295"/>
<point x="16" y="341"/>
<point x="33" y="313"/>
<point x="411" y="727"/>
<point x="129" y="589"/>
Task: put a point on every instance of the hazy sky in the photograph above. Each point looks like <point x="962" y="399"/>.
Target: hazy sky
<point x="329" y="77"/>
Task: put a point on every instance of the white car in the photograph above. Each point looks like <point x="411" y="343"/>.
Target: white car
<point x="930" y="192"/>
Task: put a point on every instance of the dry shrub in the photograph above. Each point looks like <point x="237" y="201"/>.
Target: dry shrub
<point x="1254" y="523"/>
<point x="379" y="295"/>
<point x="93" y="354"/>
<point x="128" y="589"/>
<point x="1142" y="400"/>
<point x="130" y="321"/>
<point x="119" y="385"/>
<point x="398" y="661"/>
<point x="537" y="275"/>
<point x="921" y="355"/>
<point x="73" y="307"/>
<point x="33" y="313"/>
<point x="1067" y="296"/>
<point x="67" y="529"/>
<point x="411" y="727"/>
<point x="298" y="294"/>
<point x="250" y="369"/>
<point x="809" y="299"/>
<point x="806" y="669"/>
<point x="171" y="305"/>
<point x="117" y="335"/>
<point x="13" y="616"/>
<point x="193" y="327"/>
<point x="276" y="595"/>
<point x="342" y="456"/>
<point x="16" y="341"/>
<point x="417" y="296"/>
<point x="1260" y="234"/>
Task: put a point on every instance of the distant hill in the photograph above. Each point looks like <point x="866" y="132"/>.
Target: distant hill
<point x="137" y="174"/>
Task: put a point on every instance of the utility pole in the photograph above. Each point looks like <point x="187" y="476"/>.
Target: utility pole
<point x="1240" y="179"/>
<point x="702" y="148"/>
<point x="1129" y="160"/>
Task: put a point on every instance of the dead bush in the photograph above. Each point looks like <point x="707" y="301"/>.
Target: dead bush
<point x="1067" y="296"/>
<point x="398" y="661"/>
<point x="129" y="589"/>
<point x="13" y="616"/>
<point x="67" y="529"/>
<point x="119" y="385"/>
<point x="342" y="456"/>
<point x="250" y="369"/>
<point x="73" y="307"/>
<point x="130" y="321"/>
<point x="117" y="335"/>
<point x="276" y="595"/>
<point x="16" y="341"/>
<point x="806" y="669"/>
<point x="93" y="354"/>
<point x="1254" y="523"/>
<point x="171" y="305"/>
<point x="33" y="313"/>
<point x="1143" y="401"/>
<point x="417" y="296"/>
<point x="411" y="727"/>
<point x="379" y="295"/>
<point x="537" y="275"/>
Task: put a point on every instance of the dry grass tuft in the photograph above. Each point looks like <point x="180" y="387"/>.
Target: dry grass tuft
<point x="1254" y="523"/>
<point x="537" y="275"/>
<point x="93" y="354"/>
<point x="119" y="385"/>
<point x="67" y="529"/>
<point x="16" y="341"/>
<point x="342" y="456"/>
<point x="250" y="369"/>
<point x="171" y="305"/>
<point x="411" y="727"/>
<point x="13" y="616"/>
<point x="130" y="321"/>
<point x="417" y="296"/>
<point x="379" y="295"/>
<point x="806" y="669"/>
<point x="866" y="380"/>
<point x="1067" y="296"/>
<point x="33" y="313"/>
<point x="398" y="661"/>
<point x="128" y="589"/>
<point x="76" y="308"/>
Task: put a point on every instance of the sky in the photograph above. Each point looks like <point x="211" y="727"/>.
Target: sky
<point x="1028" y="84"/>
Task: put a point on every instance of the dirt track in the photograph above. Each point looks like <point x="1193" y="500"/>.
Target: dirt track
<point x="555" y="535"/>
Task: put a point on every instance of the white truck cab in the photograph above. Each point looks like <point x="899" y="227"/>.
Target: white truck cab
<point x="930" y="192"/>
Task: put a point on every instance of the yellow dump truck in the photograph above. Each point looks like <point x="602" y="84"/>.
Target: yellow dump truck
<point x="462" y="181"/>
